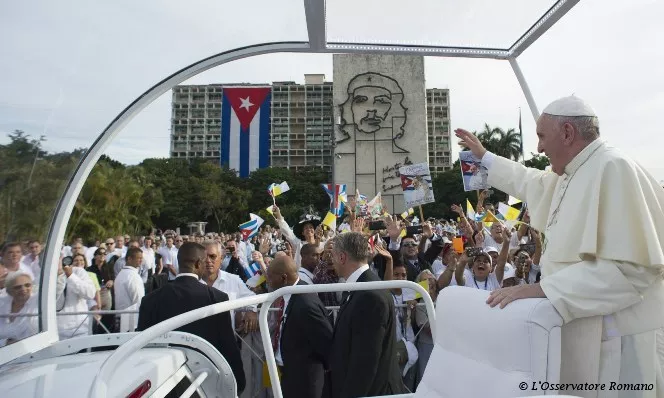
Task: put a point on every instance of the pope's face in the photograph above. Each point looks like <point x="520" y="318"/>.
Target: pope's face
<point x="370" y="108"/>
<point x="551" y="143"/>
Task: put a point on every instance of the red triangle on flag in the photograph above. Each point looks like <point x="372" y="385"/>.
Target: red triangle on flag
<point x="246" y="101"/>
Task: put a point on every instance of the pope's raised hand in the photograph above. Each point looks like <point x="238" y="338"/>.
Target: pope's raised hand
<point x="470" y="141"/>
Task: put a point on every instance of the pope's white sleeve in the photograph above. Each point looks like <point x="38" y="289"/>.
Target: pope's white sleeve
<point x="591" y="288"/>
<point x="535" y="187"/>
<point x="487" y="159"/>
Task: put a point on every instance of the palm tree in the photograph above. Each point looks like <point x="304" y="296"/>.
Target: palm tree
<point x="501" y="142"/>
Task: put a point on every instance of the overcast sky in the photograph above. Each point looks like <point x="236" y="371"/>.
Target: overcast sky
<point x="69" y="67"/>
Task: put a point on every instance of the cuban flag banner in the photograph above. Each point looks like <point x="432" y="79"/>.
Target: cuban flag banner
<point x="252" y="269"/>
<point x="245" y="129"/>
<point x="251" y="228"/>
<point x="338" y="196"/>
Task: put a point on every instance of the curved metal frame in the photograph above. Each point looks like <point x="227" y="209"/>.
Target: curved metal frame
<point x="316" y="27"/>
<point x="334" y="287"/>
<point x="140" y="340"/>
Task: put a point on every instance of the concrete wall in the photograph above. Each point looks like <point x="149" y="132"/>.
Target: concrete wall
<point x="380" y="125"/>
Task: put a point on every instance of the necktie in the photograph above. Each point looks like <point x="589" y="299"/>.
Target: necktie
<point x="344" y="297"/>
<point x="277" y="332"/>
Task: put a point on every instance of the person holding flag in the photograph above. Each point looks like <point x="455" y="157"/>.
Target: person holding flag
<point x="306" y="231"/>
<point x="603" y="253"/>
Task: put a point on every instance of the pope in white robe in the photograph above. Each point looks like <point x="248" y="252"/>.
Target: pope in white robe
<point x="602" y="215"/>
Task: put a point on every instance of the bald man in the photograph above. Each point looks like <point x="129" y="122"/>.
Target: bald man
<point x="304" y="336"/>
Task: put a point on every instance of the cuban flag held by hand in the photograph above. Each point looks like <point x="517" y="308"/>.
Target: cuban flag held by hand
<point x="245" y="129"/>
<point x="251" y="228"/>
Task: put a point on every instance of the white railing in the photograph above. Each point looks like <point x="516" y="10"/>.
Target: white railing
<point x="113" y="362"/>
<point x="334" y="287"/>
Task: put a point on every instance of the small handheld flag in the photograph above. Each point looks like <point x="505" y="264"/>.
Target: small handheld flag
<point x="250" y="228"/>
<point x="470" y="212"/>
<point x="510" y="213"/>
<point x="330" y="220"/>
<point x="407" y="213"/>
<point x="512" y="200"/>
<point x="425" y="285"/>
<point x="277" y="189"/>
<point x="338" y="196"/>
<point x="490" y="217"/>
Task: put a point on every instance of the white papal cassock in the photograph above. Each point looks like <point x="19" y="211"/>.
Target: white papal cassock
<point x="602" y="265"/>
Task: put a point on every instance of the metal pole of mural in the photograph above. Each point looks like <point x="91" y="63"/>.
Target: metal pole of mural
<point x="380" y="107"/>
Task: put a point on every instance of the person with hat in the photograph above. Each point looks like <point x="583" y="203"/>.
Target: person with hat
<point x="602" y="262"/>
<point x="482" y="277"/>
<point x="303" y="232"/>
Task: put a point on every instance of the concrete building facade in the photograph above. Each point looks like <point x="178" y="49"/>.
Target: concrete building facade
<point x="302" y="123"/>
<point x="381" y="114"/>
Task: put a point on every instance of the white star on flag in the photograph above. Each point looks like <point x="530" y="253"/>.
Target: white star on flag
<point x="246" y="103"/>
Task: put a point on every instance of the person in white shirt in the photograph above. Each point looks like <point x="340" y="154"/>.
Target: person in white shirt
<point x="11" y="262"/>
<point x="129" y="288"/>
<point x="149" y="255"/>
<point x="19" y="300"/>
<point x="120" y="248"/>
<point x="74" y="289"/>
<point x="31" y="260"/>
<point x="169" y="258"/>
<point x="303" y="232"/>
<point x="143" y="269"/>
<point x="228" y="283"/>
<point x="310" y="258"/>
<point x="481" y="275"/>
<point x="407" y="353"/>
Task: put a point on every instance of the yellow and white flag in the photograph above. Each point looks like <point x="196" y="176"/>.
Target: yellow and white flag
<point x="407" y="213"/>
<point x="509" y="212"/>
<point x="278" y="189"/>
<point x="512" y="200"/>
<point x="330" y="221"/>
<point x="490" y="218"/>
<point x="470" y="212"/>
<point x="425" y="285"/>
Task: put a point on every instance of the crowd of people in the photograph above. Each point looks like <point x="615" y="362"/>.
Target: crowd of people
<point x="595" y="222"/>
<point x="116" y="274"/>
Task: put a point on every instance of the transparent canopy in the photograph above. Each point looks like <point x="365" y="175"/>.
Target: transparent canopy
<point x="75" y="72"/>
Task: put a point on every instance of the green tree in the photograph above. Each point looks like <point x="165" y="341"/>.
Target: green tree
<point x="537" y="161"/>
<point x="115" y="201"/>
<point x="220" y="197"/>
<point x="31" y="183"/>
<point x="501" y="142"/>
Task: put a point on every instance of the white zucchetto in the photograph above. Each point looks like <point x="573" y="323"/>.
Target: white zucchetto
<point x="569" y="106"/>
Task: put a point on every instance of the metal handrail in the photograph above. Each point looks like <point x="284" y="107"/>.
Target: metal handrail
<point x="107" y="370"/>
<point x="114" y="361"/>
<point x="334" y="287"/>
<point x="120" y="312"/>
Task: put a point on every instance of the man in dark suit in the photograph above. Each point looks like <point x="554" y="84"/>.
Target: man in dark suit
<point x="185" y="294"/>
<point x="304" y="336"/>
<point x="363" y="358"/>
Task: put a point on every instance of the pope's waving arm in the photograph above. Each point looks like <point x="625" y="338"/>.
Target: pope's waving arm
<point x="532" y="186"/>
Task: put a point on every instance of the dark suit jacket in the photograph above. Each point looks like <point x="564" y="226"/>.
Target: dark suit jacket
<point x="234" y="267"/>
<point x="306" y="337"/>
<point x="363" y="355"/>
<point x="410" y="270"/>
<point x="185" y="294"/>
